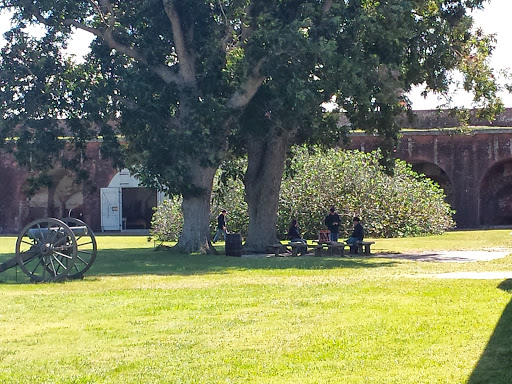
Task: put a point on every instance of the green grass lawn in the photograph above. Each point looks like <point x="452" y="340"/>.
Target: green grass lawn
<point x="146" y="316"/>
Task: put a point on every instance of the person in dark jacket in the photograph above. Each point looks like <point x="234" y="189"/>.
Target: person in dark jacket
<point x="293" y="232"/>
<point x="332" y="222"/>
<point x="357" y="234"/>
<point x="295" y="237"/>
<point x="221" y="226"/>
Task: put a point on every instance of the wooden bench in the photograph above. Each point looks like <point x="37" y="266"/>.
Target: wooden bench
<point x="276" y="249"/>
<point x="332" y="248"/>
<point x="361" y="246"/>
<point x="297" y="246"/>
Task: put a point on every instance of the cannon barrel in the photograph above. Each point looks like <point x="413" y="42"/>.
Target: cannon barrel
<point x="42" y="233"/>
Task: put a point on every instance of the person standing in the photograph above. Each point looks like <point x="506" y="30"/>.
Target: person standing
<point x="221" y="226"/>
<point x="332" y="221"/>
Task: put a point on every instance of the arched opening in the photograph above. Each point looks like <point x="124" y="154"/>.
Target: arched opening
<point x="437" y="174"/>
<point x="63" y="196"/>
<point x="10" y="198"/>
<point x="496" y="195"/>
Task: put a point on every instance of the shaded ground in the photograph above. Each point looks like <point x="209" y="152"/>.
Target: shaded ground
<point x="447" y="256"/>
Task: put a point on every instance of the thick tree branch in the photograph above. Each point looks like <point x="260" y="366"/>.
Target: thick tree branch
<point x="246" y="92"/>
<point x="246" y="31"/>
<point x="127" y="103"/>
<point x="326" y="6"/>
<point x="186" y="63"/>
<point x="106" y="35"/>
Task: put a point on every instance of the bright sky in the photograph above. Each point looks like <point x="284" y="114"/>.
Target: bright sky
<point x="495" y="18"/>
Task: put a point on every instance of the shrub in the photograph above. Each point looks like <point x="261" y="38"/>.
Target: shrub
<point x="228" y="194"/>
<point x="404" y="204"/>
<point x="167" y="221"/>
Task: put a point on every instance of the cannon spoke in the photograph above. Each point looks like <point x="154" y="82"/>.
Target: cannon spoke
<point x="63" y="255"/>
<point x="50" y="267"/>
<point x="46" y="249"/>
<point x="59" y="261"/>
<point x="78" y="268"/>
<point x="86" y="247"/>
<point x="82" y="244"/>
<point x="39" y="263"/>
<point x="29" y="243"/>
<point x="41" y="232"/>
<point x="29" y="255"/>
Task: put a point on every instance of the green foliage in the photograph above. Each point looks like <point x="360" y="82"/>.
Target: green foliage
<point x="404" y="204"/>
<point x="228" y="194"/>
<point x="167" y="221"/>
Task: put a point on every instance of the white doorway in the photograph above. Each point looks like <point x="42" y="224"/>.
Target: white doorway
<point x="111" y="212"/>
<point x="126" y="205"/>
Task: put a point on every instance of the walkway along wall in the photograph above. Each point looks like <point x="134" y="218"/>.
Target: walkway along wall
<point x="474" y="168"/>
<point x="16" y="210"/>
<point x="89" y="201"/>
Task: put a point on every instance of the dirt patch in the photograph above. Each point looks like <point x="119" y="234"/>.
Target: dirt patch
<point x="450" y="256"/>
<point x="459" y="257"/>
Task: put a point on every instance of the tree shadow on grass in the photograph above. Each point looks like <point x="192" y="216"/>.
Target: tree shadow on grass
<point x="495" y="364"/>
<point x="137" y="262"/>
<point x="147" y="261"/>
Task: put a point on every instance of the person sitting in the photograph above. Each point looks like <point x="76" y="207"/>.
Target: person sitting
<point x="295" y="237"/>
<point x="357" y="235"/>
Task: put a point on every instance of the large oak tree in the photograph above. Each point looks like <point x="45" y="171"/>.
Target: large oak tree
<point x="179" y="78"/>
<point x="367" y="54"/>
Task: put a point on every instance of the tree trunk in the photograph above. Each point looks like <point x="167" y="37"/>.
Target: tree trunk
<point x="196" y="213"/>
<point x="266" y="159"/>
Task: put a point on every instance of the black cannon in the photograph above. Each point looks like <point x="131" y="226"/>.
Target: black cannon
<point x="52" y="249"/>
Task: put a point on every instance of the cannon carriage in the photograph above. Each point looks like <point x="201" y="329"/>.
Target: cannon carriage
<point x="51" y="249"/>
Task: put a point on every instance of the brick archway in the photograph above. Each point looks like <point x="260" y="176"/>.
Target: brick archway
<point x="496" y="195"/>
<point x="437" y="174"/>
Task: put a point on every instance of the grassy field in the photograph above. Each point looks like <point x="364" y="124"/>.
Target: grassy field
<point x="146" y="316"/>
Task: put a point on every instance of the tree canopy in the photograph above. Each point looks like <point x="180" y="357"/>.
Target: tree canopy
<point x="173" y="79"/>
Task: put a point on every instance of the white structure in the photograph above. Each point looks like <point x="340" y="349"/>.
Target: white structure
<point x="126" y="205"/>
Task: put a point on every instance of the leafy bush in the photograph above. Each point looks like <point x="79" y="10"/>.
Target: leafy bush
<point x="228" y="193"/>
<point x="405" y="204"/>
<point x="167" y="221"/>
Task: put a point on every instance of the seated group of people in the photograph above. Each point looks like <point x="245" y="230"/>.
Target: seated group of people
<point x="332" y="221"/>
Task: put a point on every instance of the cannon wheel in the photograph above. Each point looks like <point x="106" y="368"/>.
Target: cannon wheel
<point x="86" y="248"/>
<point x="46" y="250"/>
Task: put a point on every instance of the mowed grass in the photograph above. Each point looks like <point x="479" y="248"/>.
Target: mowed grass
<point x="146" y="316"/>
